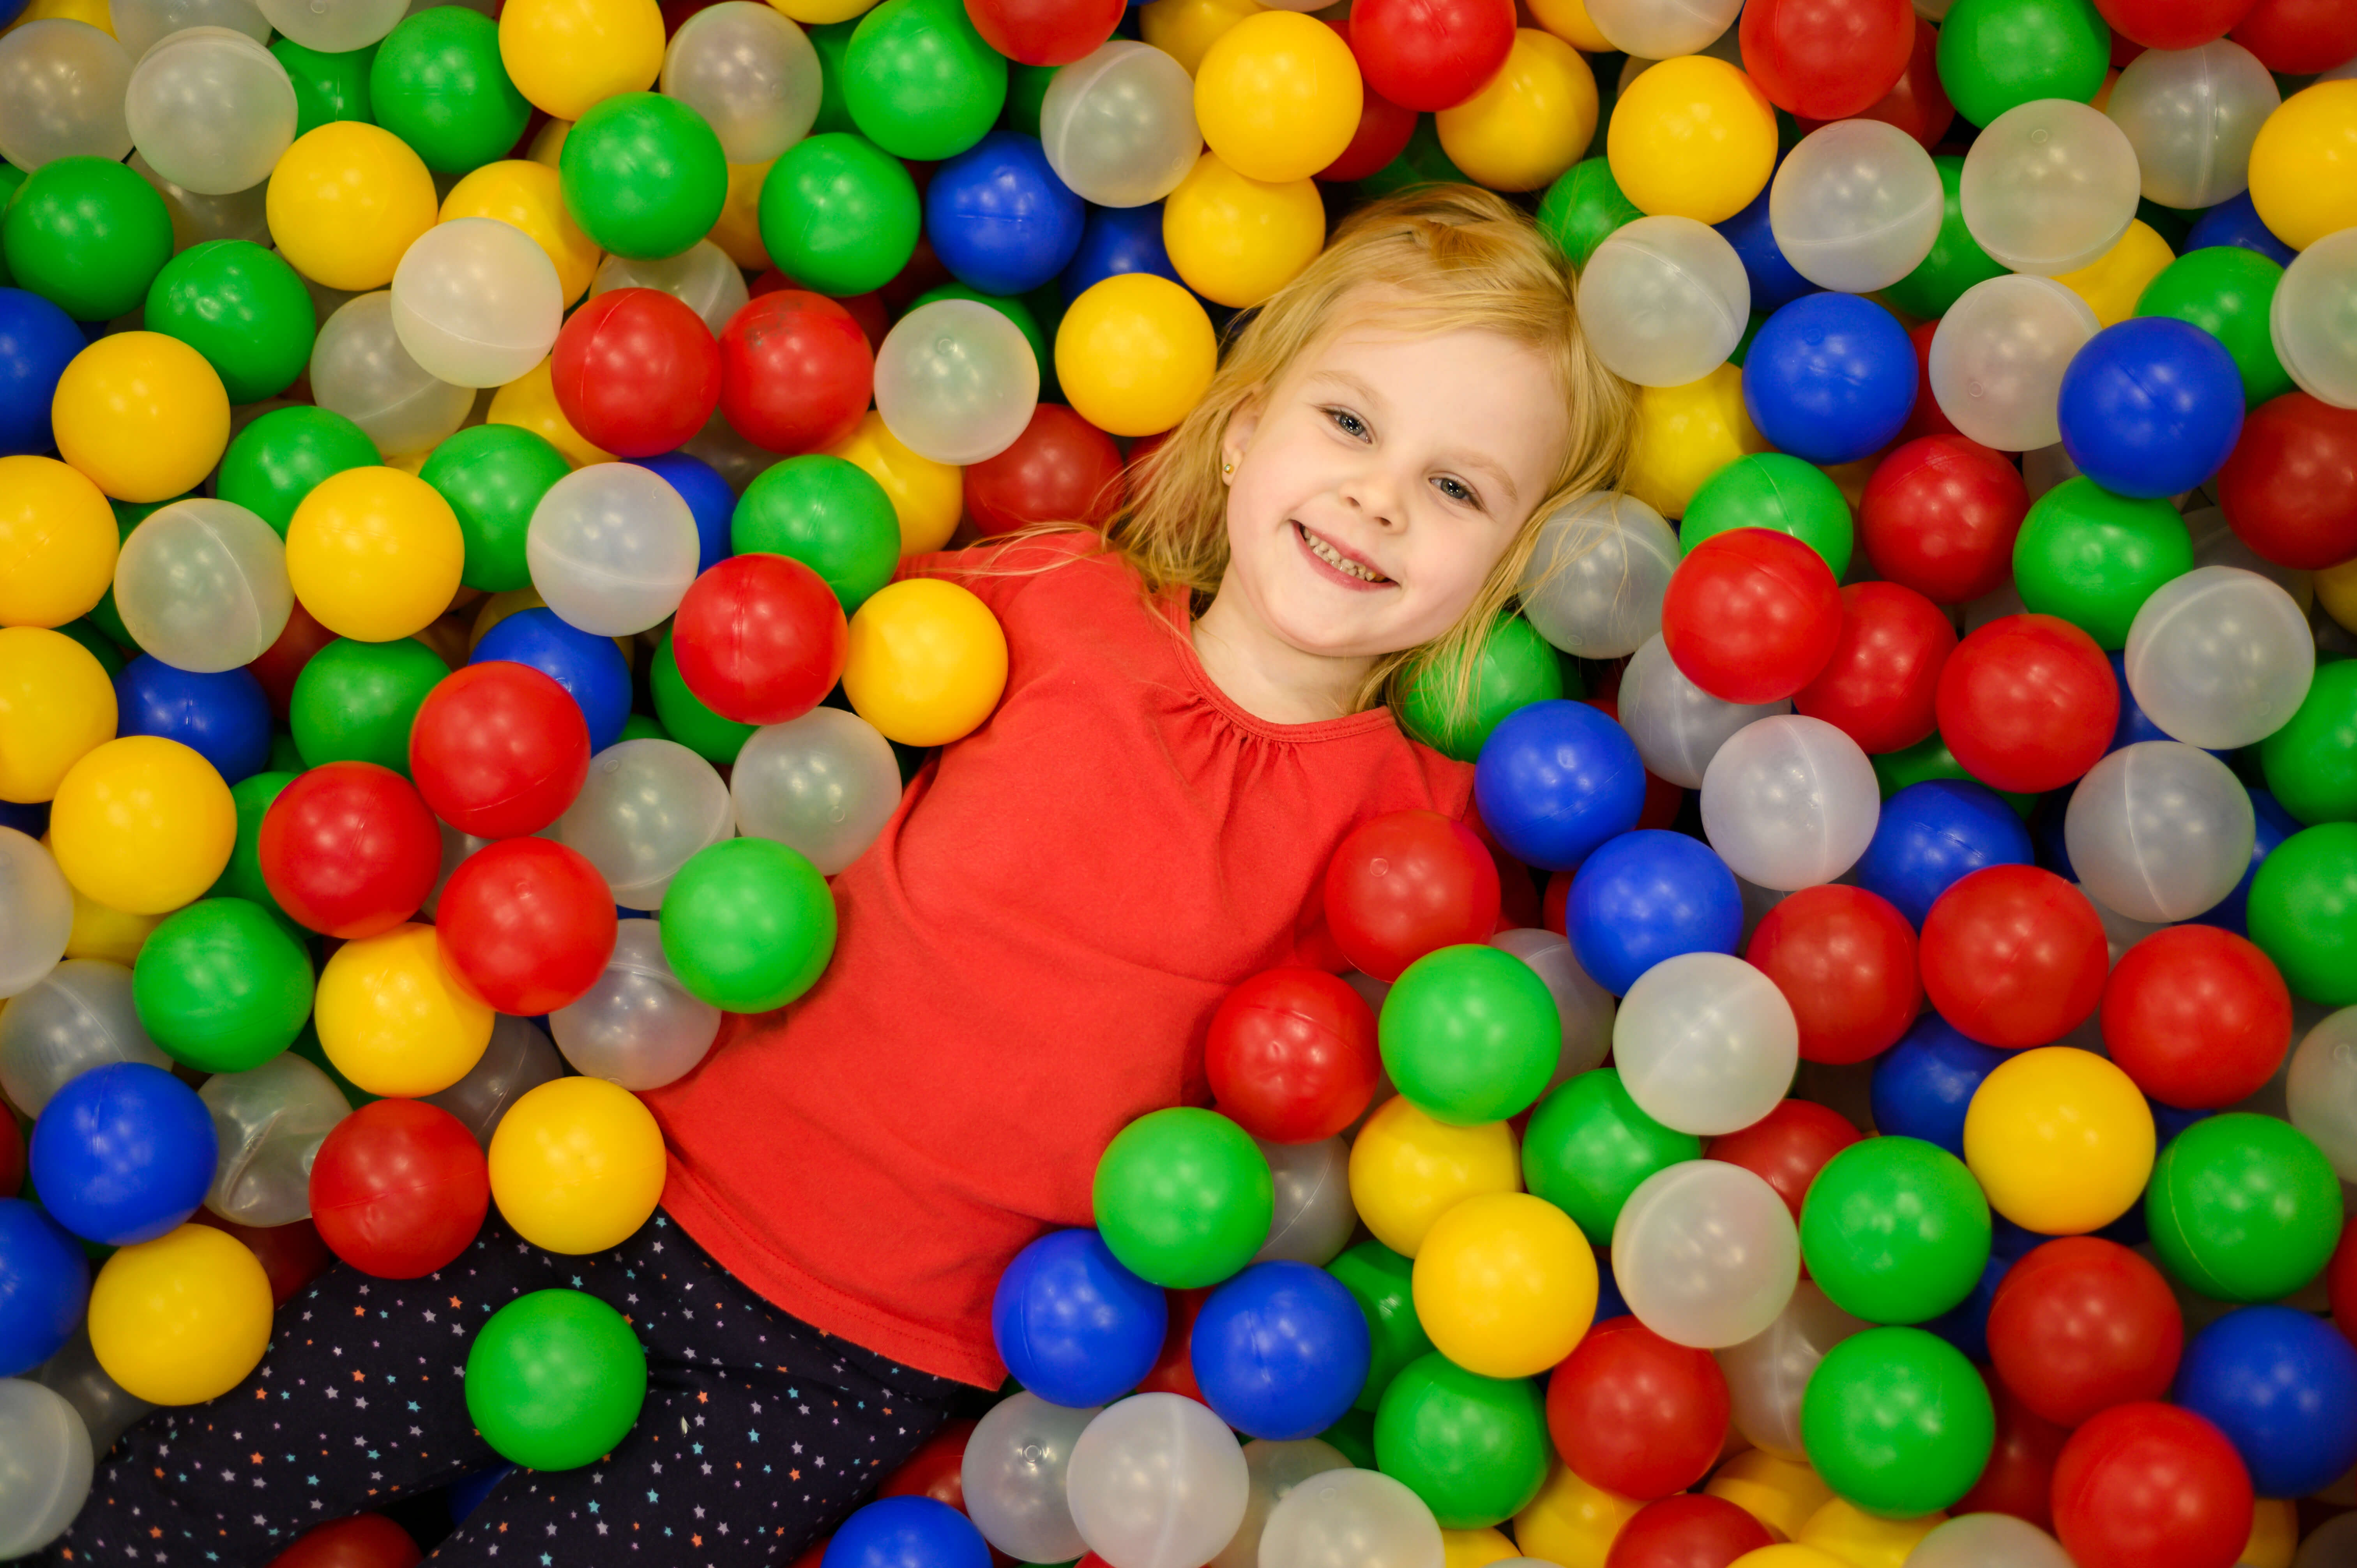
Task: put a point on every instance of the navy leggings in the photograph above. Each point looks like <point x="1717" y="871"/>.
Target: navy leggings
<point x="758" y="1435"/>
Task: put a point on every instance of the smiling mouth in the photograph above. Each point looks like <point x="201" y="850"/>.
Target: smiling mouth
<point x="1330" y="555"/>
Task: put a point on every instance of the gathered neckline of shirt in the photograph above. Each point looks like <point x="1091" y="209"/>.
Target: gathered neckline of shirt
<point x="1172" y="604"/>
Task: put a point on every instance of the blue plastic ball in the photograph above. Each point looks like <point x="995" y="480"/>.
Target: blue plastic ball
<point x="1966" y="1325"/>
<point x="223" y="716"/>
<point x="586" y="665"/>
<point x="2282" y="1386"/>
<point x="1281" y="1350"/>
<point x="44" y="1286"/>
<point x="1931" y="835"/>
<point x="707" y="496"/>
<point x="37" y="340"/>
<point x="1118" y="240"/>
<point x="1073" y="1325"/>
<point x="998" y="217"/>
<point x="1648" y="896"/>
<point x="468" y="1492"/>
<point x="1774" y="284"/>
<point x="2235" y="222"/>
<point x="2151" y="406"/>
<point x="2274" y="824"/>
<point x="1556" y="779"/>
<point x="1830" y="378"/>
<point x="124" y="1153"/>
<point x="1924" y="1084"/>
<point x="906" y="1532"/>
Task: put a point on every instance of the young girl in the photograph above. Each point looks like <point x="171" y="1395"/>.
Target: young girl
<point x="1194" y="718"/>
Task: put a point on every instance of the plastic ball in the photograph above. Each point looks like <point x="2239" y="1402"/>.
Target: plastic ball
<point x="1277" y="96"/>
<point x="87" y="234"/>
<point x="142" y="414"/>
<point x="477" y="302"/>
<point x="1897" y="1421"/>
<point x="393" y="1020"/>
<point x="2198" y="1017"/>
<point x="612" y="548"/>
<point x="2192" y="114"/>
<point x="636" y="1025"/>
<point x="636" y="371"/>
<point x="2157" y="831"/>
<point x="2013" y="956"/>
<point x="1844" y="959"/>
<point x="1895" y="1231"/>
<point x="824" y="784"/>
<point x="1705" y="1253"/>
<point x="1530" y="123"/>
<point x="1677" y="726"/>
<point x="2243" y="1208"/>
<point x="526" y="925"/>
<point x="908" y="1529"/>
<point x="2299" y="162"/>
<point x="644" y="175"/>
<point x="399" y="1189"/>
<point x="1752" y="616"/>
<point x="1555" y="780"/>
<point x="142" y="825"/>
<point x="927" y="662"/>
<point x="57" y="541"/>
<point x="2060" y="1139"/>
<point x="1431" y="58"/>
<point x="2299" y="911"/>
<point x="761" y="638"/>
<point x="749" y="925"/>
<point x="202" y="585"/>
<point x="2027" y="702"/>
<point x="1350" y="1517"/>
<point x="1648" y="897"/>
<point x="1682" y="1529"/>
<point x="1881" y="686"/>
<point x="568" y="55"/>
<point x="751" y="73"/>
<point x="1790" y="802"/>
<point x="349" y="849"/>
<point x="1073" y="1323"/>
<point x="45" y="1280"/>
<point x="1061" y="467"/>
<point x="1999" y="357"/>
<point x="1857" y="206"/>
<point x="222" y="987"/>
<point x="2282" y="1385"/>
<point x="375" y="554"/>
<point x="518" y="1060"/>
<point x="2284" y="488"/>
<point x="2309" y="320"/>
<point x="795" y="373"/>
<point x="1661" y="32"/>
<point x="1636" y="1414"/>
<point x="210" y="110"/>
<point x="1597" y="576"/>
<point x="998" y="217"/>
<point x="1311" y="1221"/>
<point x="63" y="82"/>
<point x="1828" y="61"/>
<point x="920" y="81"/>
<point x="2081" y="1324"/>
<point x="182" y="1318"/>
<point x="1291" y="1055"/>
<point x="436" y="83"/>
<point x="1940" y="516"/>
<point x="123" y="1154"/>
<point x="1118" y="125"/>
<point x="1692" y="137"/>
<point x="2150" y="1484"/>
<point x="2002" y="53"/>
<point x="362" y="370"/>
<point x="1665" y="299"/>
<point x="956" y="381"/>
<point x="1474" y="1448"/>
<point x="576" y="1165"/>
<point x="56" y="705"/>
<point x="1182" y="1198"/>
<point x="1407" y="1169"/>
<point x="1505" y="1284"/>
<point x="838" y="214"/>
<point x="79" y="1015"/>
<point x="1830" y="378"/>
<point x="1011" y="1476"/>
<point x="2150" y="407"/>
<point x="2049" y="186"/>
<point x="2219" y="657"/>
<point x="1280" y="1350"/>
<point x="346" y="201"/>
<point x="1705" y="1043"/>
<point x="591" y="667"/>
<point x="1134" y="354"/>
<point x="269" y="1122"/>
<point x="1767" y="1374"/>
<point x="1236" y="241"/>
<point x="704" y="277"/>
<point x="1933" y="833"/>
<point x="37" y="340"/>
<point x="242" y="308"/>
<point x="1157" y="1480"/>
<point x="1590" y="1148"/>
<point x="555" y="1379"/>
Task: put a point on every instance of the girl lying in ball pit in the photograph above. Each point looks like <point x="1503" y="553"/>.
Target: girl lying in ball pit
<point x="1195" y="716"/>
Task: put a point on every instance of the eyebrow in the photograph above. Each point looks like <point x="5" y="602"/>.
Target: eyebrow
<point x="1362" y="388"/>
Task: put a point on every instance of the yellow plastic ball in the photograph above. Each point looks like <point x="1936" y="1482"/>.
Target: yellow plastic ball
<point x="1236" y="241"/>
<point x="1788" y="1555"/>
<point x="58" y="544"/>
<point x="1570" y="20"/>
<point x="2061" y="1140"/>
<point x="56" y="706"/>
<point x="737" y="231"/>
<point x="1135" y="354"/>
<point x="1186" y="30"/>
<point x="2304" y="165"/>
<point x="1505" y="1284"/>
<point x="566" y="55"/>
<point x="928" y="662"/>
<point x="345" y="201"/>
<point x="110" y="934"/>
<point x="1782" y="1493"/>
<point x="1861" y="1539"/>
<point x="530" y="402"/>
<point x="1692" y="137"/>
<point x="1532" y="122"/>
<point x="142" y="824"/>
<point x="1572" y="1522"/>
<point x="142" y="414"/>
<point x="525" y="194"/>
<point x="393" y="1020"/>
<point x="2336" y="590"/>
<point x="181" y="1319"/>
<point x="1475" y="1549"/>
<point x="2111" y="283"/>
<point x="2275" y="1534"/>
<point x="927" y="497"/>
<point x="548" y="148"/>
<point x="1277" y="96"/>
<point x="576" y="1164"/>
<point x="1407" y="1170"/>
<point x="817" y="13"/>
<point x="99" y="14"/>
<point x="375" y="554"/>
<point x="1684" y="434"/>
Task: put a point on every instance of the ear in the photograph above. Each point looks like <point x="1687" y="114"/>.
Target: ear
<point x="1238" y="437"/>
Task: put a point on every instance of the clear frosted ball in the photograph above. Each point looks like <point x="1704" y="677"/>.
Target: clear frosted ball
<point x="78" y="1017"/>
<point x="1586" y="1008"/>
<point x="1157" y="1481"/>
<point x="1705" y="1254"/>
<point x="1595" y="579"/>
<point x="823" y="784"/>
<point x="1276" y="1468"/>
<point x="1988" y="1540"/>
<point x="2193" y="116"/>
<point x="1012" y="1476"/>
<point x="518" y="1060"/>
<point x="2220" y="657"/>
<point x="359" y="369"/>
<point x="1351" y="1519"/>
<point x="648" y="805"/>
<point x="1664" y="301"/>
<point x="750" y="72"/>
<point x="269" y="1120"/>
<point x="1659" y="29"/>
<point x="612" y="548"/>
<point x="201" y="585"/>
<point x="1313" y="1218"/>
<point x="61" y="87"/>
<point x="334" y="27"/>
<point x="2314" y="319"/>
<point x="2320" y="1090"/>
<point x="1677" y="726"/>
<point x="636" y="1026"/>
<point x="1998" y="359"/>
<point x="2159" y="831"/>
<point x="1857" y="206"/>
<point x="106" y="1408"/>
<point x="45" y="1466"/>
<point x="1790" y="802"/>
<point x="956" y="381"/>
<point x="36" y="914"/>
<point x="477" y="302"/>
<point x="701" y="277"/>
<point x="1118" y="125"/>
<point x="1705" y="1043"/>
<point x="196" y="218"/>
<point x="210" y="110"/>
<point x="1767" y="1373"/>
<point x="2049" y="186"/>
<point x="141" y="25"/>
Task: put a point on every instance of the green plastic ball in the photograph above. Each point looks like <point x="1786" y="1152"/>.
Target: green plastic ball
<point x="101" y="646"/>
<point x="683" y="716"/>
<point x="327" y="87"/>
<point x="10" y="178"/>
<point x="1382" y="1281"/>
<point x="1353" y="1437"/>
<point x="2243" y="1207"/>
<point x="2311" y="763"/>
<point x="643" y="175"/>
<point x="87" y="235"/>
<point x="1183" y="1196"/>
<point x="555" y="1379"/>
<point x="1470" y="1035"/>
<point x="2303" y="912"/>
<point x="493" y="476"/>
<point x="1582" y="207"/>
<point x="1474" y="1448"/>
<point x="279" y="459"/>
<point x="221" y="985"/>
<point x="437" y="84"/>
<point x="828" y="514"/>
<point x="640" y="727"/>
<point x="242" y="878"/>
<point x="1897" y="1421"/>
<point x="839" y="215"/>
<point x="1781" y="494"/>
<point x="1589" y="1146"/>
<point x="2226" y="291"/>
<point x="1514" y="668"/>
<point x="1931" y="758"/>
<point x="1895" y="1231"/>
<point x="354" y="701"/>
<point x="241" y="306"/>
<point x="2092" y="558"/>
<point x="831" y="39"/>
<point x="918" y="80"/>
<point x="1956" y="261"/>
<point x="1996" y="54"/>
<point x="749" y="925"/>
<point x="1027" y="92"/>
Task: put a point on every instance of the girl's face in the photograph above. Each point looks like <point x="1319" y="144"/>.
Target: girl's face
<point x="1380" y="480"/>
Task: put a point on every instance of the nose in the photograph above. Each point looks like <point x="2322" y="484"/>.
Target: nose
<point x="1375" y="495"/>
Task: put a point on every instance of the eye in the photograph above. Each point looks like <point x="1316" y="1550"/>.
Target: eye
<point x="1457" y="490"/>
<point x="1349" y="424"/>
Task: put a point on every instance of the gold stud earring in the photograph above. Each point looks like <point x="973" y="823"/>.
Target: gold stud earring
<point x="1226" y="468"/>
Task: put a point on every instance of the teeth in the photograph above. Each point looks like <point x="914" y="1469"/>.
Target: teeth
<point x="1336" y="559"/>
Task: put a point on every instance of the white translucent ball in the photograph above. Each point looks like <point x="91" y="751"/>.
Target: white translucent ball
<point x="2049" y="186"/>
<point x="1677" y="726"/>
<point x="106" y="1408"/>
<point x="701" y="277"/>
<point x="334" y="27"/>
<point x="269" y="1122"/>
<point x="78" y="1016"/>
<point x="1276" y="1468"/>
<point x="1595" y="579"/>
<point x="1705" y="1043"/>
<point x="61" y="87"/>
<point x="824" y="784"/>
<point x="2320" y="1090"/>
<point x="2192" y="116"/>
<point x="1313" y="1218"/>
<point x="1118" y="125"/>
<point x="140" y="24"/>
<point x="1789" y="802"/>
<point x="477" y="302"/>
<point x="1012" y="1476"/>
<point x="359" y="369"/>
<point x="1664" y="301"/>
<point x="956" y="381"/>
<point x="1998" y="355"/>
<point x="202" y="585"/>
<point x="1586" y="1008"/>
<point x="1351" y="1519"/>
<point x="2314" y="319"/>
<point x="1658" y="29"/>
<point x="518" y="1060"/>
<point x="195" y="218"/>
<point x="750" y="72"/>
<point x="45" y="1466"/>
<point x="1705" y="1253"/>
<point x="1767" y="1373"/>
<point x="647" y="806"/>
<point x="1988" y="1540"/>
<point x="636" y="1026"/>
<point x="2220" y="657"/>
<point x="1157" y="1481"/>
<point x="39" y="913"/>
<point x="612" y="548"/>
<point x="1857" y="206"/>
<point x="2159" y="831"/>
<point x="210" y="110"/>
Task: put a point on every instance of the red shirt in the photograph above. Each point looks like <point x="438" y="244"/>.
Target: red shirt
<point x="1030" y="954"/>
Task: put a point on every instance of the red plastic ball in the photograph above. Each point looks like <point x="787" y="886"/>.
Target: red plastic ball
<point x="1939" y="515"/>
<point x="1787" y="1147"/>
<point x="1844" y="959"/>
<point x="1427" y="54"/>
<point x="935" y="1470"/>
<point x="349" y="849"/>
<point x="2014" y="956"/>
<point x="399" y="1188"/>
<point x="1826" y="59"/>
<point x="363" y="1540"/>
<point x="1174" y="1369"/>
<point x="2198" y="1017"/>
<point x="2173" y="24"/>
<point x="1384" y="130"/>
<point x="2027" y="704"/>
<point x="2081" y="1324"/>
<point x="2300" y="37"/>
<point x="1663" y="799"/>
<point x="1752" y="616"/>
<point x="2289" y="488"/>
<point x="283" y="660"/>
<point x="526" y="925"/>
<point x="1291" y="1055"/>
<point x="1926" y="418"/>
<point x="1636" y="1414"/>
<point x="2018" y="1479"/>
<point x="1918" y="104"/>
<point x="1061" y="470"/>
<point x="1044" y="32"/>
<point x="12" y="1154"/>
<point x="1878" y="686"/>
<point x="292" y="1254"/>
<point x="636" y="371"/>
<point x="1405" y="884"/>
<point x="2151" y="1486"/>
<point x="1692" y="1530"/>
<point x="796" y="372"/>
<point x="2340" y="1282"/>
<point x="498" y="749"/>
<point x="760" y="638"/>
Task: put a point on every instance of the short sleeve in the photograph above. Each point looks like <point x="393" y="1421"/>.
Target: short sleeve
<point x="997" y="571"/>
